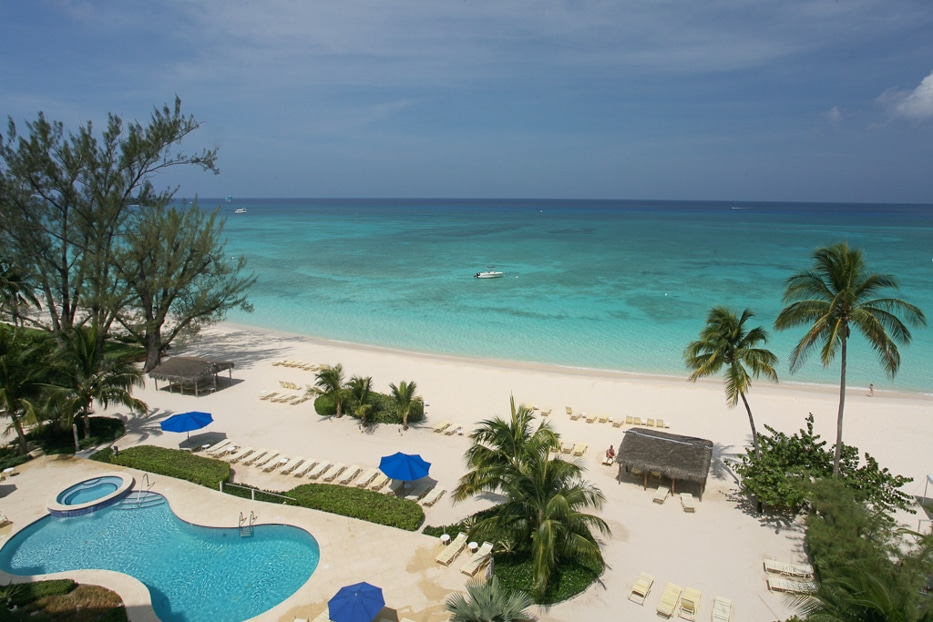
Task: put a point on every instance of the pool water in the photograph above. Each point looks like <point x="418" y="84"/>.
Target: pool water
<point x="194" y="573"/>
<point x="90" y="490"/>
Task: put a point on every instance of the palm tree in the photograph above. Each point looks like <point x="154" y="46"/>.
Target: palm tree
<point x="857" y="594"/>
<point x="405" y="398"/>
<point x="488" y="602"/>
<point x="88" y="374"/>
<point x="360" y="390"/>
<point x="835" y="295"/>
<point x="500" y="449"/>
<point x="543" y="513"/>
<point x="330" y="382"/>
<point x="15" y="292"/>
<point x="725" y="342"/>
<point x="23" y="374"/>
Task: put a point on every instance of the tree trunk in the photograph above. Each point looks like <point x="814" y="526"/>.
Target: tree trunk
<point x="86" y="414"/>
<point x="153" y="349"/>
<point x="842" y="404"/>
<point x="24" y="448"/>
<point x="751" y="422"/>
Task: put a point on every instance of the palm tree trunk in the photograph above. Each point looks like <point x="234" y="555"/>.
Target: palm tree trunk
<point x="842" y="404"/>
<point x="20" y="434"/>
<point x="751" y="422"/>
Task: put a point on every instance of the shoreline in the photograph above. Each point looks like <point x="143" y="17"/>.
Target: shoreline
<point x="551" y="367"/>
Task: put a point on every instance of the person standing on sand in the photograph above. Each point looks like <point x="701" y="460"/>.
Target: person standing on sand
<point x="871" y="390"/>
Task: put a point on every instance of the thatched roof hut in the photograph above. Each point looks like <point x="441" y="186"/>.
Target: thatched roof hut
<point x="673" y="456"/>
<point x="190" y="372"/>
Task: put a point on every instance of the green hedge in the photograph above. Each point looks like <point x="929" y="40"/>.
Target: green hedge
<point x="358" y="503"/>
<point x="207" y="472"/>
<point x="25" y="593"/>
<point x="515" y="571"/>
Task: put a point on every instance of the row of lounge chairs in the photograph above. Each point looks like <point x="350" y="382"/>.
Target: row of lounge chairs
<point x="616" y="423"/>
<point x="285" y="398"/>
<point x="477" y="560"/>
<point x="568" y="447"/>
<point x="676" y="599"/>
<point x="297" y="365"/>
<point x="448" y="428"/>
<point x="427" y="493"/>
<point x="289" y="385"/>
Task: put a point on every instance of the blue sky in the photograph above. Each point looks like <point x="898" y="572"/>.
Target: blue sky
<point x="786" y="100"/>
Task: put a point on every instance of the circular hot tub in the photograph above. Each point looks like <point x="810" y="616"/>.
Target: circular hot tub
<point x="91" y="494"/>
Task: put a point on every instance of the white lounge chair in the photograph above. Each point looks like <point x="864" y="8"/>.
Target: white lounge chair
<point x="276" y="463"/>
<point x="579" y="449"/>
<point x="271" y="457"/>
<point x="791" y="586"/>
<point x="431" y="498"/>
<point x="797" y="571"/>
<point x="254" y="457"/>
<point x="239" y="455"/>
<point x="478" y="560"/>
<point x="453" y="549"/>
<point x="669" y="600"/>
<point x="305" y="468"/>
<point x="379" y="481"/>
<point x="641" y="589"/>
<point x="690" y="603"/>
<point x="217" y="448"/>
<point x="292" y="465"/>
<point x="661" y="494"/>
<point x="319" y="469"/>
<point x="443" y="425"/>
<point x="332" y="473"/>
<point x="349" y="474"/>
<point x="722" y="609"/>
<point x="366" y="478"/>
<point x="687" y="502"/>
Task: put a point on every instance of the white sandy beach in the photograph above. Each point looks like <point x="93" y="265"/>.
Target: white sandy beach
<point x="718" y="550"/>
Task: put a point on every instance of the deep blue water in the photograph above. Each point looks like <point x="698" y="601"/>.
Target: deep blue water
<point x="619" y="285"/>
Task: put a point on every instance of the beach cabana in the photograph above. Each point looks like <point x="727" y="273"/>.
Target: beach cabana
<point x="676" y="457"/>
<point x="184" y="372"/>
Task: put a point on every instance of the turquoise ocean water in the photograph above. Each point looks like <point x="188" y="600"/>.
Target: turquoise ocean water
<point x="621" y="285"/>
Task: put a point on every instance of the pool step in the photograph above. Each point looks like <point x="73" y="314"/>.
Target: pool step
<point x="140" y="499"/>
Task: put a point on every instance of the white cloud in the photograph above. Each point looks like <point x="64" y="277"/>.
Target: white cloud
<point x="915" y="105"/>
<point x="834" y="115"/>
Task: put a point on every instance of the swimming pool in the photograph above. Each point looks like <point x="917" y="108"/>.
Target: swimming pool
<point x="194" y="573"/>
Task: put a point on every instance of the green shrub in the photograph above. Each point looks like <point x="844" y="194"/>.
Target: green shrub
<point x="571" y="577"/>
<point x="30" y="592"/>
<point x="54" y="440"/>
<point x="185" y="465"/>
<point x="325" y="406"/>
<point x="10" y="456"/>
<point x="358" y="503"/>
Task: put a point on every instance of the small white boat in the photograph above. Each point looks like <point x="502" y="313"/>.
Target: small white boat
<point x="240" y="210"/>
<point x="489" y="274"/>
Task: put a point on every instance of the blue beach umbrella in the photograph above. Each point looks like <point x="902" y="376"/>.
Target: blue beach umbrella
<point x="404" y="467"/>
<point x="356" y="603"/>
<point x="185" y="422"/>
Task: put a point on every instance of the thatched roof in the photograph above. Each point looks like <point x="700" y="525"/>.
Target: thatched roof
<point x="676" y="457"/>
<point x="188" y="370"/>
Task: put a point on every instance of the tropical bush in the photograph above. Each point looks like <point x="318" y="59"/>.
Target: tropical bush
<point x="488" y="601"/>
<point x="367" y="505"/>
<point x="62" y="600"/>
<point x="56" y="440"/>
<point x="190" y="467"/>
<point x="383" y="409"/>
<point x="781" y="474"/>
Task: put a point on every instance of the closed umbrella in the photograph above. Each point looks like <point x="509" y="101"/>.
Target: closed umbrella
<point x="356" y="603"/>
<point x="185" y="422"/>
<point x="404" y="467"/>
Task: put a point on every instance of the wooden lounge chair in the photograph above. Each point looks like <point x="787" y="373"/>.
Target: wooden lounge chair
<point x="431" y="498"/>
<point x="690" y="603"/>
<point x="4" y="521"/>
<point x="364" y="480"/>
<point x="332" y="473"/>
<point x="790" y="586"/>
<point x="669" y="600"/>
<point x="453" y="430"/>
<point x="478" y="560"/>
<point x="443" y="425"/>
<point x="641" y="589"/>
<point x="659" y="423"/>
<point x="580" y="448"/>
<point x="319" y="469"/>
<point x="379" y="481"/>
<point x="649" y="423"/>
<point x="575" y="416"/>
<point x="603" y="418"/>
<point x="349" y="474"/>
<point x="687" y="502"/>
<point x="661" y="494"/>
<point x="566" y="447"/>
<point x="305" y="468"/>
<point x="591" y="418"/>
<point x="637" y="421"/>
<point x="239" y="455"/>
<point x="451" y="551"/>
<point x="797" y="571"/>
<point x="722" y="609"/>
<point x="629" y="420"/>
